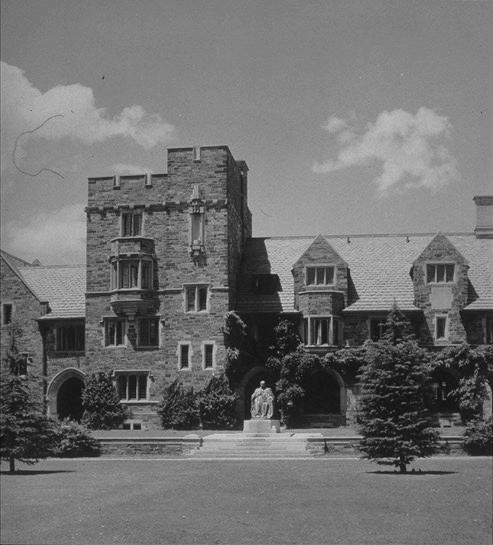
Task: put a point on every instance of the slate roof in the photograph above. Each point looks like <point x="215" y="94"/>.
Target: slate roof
<point x="379" y="267"/>
<point x="63" y="286"/>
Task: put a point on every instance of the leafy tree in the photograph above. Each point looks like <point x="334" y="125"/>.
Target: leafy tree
<point x="473" y="366"/>
<point x="101" y="404"/>
<point x="395" y="421"/>
<point x="177" y="408"/>
<point x="216" y="404"/>
<point x="286" y="339"/>
<point x="478" y="437"/>
<point x="238" y="349"/>
<point x="26" y="434"/>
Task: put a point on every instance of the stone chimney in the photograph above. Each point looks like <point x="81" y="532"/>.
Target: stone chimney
<point x="484" y="216"/>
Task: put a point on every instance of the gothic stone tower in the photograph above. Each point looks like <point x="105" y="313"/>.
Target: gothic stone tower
<point x="163" y="253"/>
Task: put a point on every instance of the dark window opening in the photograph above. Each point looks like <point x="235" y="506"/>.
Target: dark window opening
<point x="7" y="313"/>
<point x="132" y="386"/>
<point x="377" y="328"/>
<point x="149" y="332"/>
<point x="266" y="283"/>
<point x="184" y="355"/>
<point x="70" y="338"/>
<point x="114" y="332"/>
<point x="208" y="356"/>
<point x="131" y="224"/>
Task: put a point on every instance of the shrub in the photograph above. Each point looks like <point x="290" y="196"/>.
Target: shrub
<point x="478" y="437"/>
<point x="216" y="405"/>
<point x="73" y="439"/>
<point x="177" y="409"/>
<point x="101" y="404"/>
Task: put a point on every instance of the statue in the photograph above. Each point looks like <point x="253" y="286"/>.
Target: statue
<point x="262" y="402"/>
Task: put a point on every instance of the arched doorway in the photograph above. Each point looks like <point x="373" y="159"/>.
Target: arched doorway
<point x="322" y="394"/>
<point x="325" y="399"/>
<point x="64" y="394"/>
<point x="69" y="399"/>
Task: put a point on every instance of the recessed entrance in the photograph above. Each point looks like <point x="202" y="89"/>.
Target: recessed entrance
<point x="322" y="394"/>
<point x="69" y="399"/>
<point x="64" y="394"/>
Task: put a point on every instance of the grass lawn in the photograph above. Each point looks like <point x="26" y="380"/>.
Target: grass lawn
<point x="319" y="501"/>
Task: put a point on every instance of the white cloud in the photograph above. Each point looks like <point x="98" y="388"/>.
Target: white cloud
<point x="53" y="238"/>
<point x="409" y="148"/>
<point x="25" y="107"/>
<point x="123" y="168"/>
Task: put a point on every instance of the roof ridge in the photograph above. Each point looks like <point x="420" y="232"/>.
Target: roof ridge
<point x="40" y="267"/>
<point x="367" y="235"/>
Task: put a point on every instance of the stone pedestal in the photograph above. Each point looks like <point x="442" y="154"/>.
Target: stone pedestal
<point x="261" y="425"/>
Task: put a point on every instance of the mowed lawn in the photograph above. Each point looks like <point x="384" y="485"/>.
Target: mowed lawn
<point x="329" y="501"/>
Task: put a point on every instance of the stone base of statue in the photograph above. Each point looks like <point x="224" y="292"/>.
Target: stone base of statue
<point x="261" y="425"/>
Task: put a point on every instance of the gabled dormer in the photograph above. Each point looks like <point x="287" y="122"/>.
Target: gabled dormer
<point x="440" y="289"/>
<point x="320" y="292"/>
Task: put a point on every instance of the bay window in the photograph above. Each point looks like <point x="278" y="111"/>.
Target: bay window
<point x="132" y="274"/>
<point x="321" y="330"/>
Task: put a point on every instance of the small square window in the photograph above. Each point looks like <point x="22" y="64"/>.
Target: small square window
<point x="131" y="225"/>
<point x="196" y="298"/>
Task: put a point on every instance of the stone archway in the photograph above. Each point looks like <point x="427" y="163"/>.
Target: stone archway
<point x="326" y="395"/>
<point x="64" y="394"/>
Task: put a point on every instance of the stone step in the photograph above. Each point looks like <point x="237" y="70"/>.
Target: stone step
<point x="255" y="446"/>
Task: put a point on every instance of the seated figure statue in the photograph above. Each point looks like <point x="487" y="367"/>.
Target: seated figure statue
<point x="262" y="405"/>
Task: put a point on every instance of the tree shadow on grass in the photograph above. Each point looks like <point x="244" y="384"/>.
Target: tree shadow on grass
<point x="411" y="473"/>
<point x="28" y="472"/>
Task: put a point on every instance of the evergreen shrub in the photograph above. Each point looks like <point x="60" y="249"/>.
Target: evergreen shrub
<point x="73" y="440"/>
<point x="216" y="405"/>
<point x="26" y="435"/>
<point x="177" y="408"/>
<point x="478" y="437"/>
<point x="101" y="404"/>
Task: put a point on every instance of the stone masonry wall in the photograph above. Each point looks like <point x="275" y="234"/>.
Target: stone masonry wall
<point x="26" y="309"/>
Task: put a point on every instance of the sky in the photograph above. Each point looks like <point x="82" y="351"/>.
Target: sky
<point x="353" y="117"/>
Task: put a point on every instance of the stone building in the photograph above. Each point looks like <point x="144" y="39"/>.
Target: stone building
<point x="168" y="255"/>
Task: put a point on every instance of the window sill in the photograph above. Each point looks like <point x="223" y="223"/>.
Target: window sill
<point x="139" y="402"/>
<point x="60" y="353"/>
